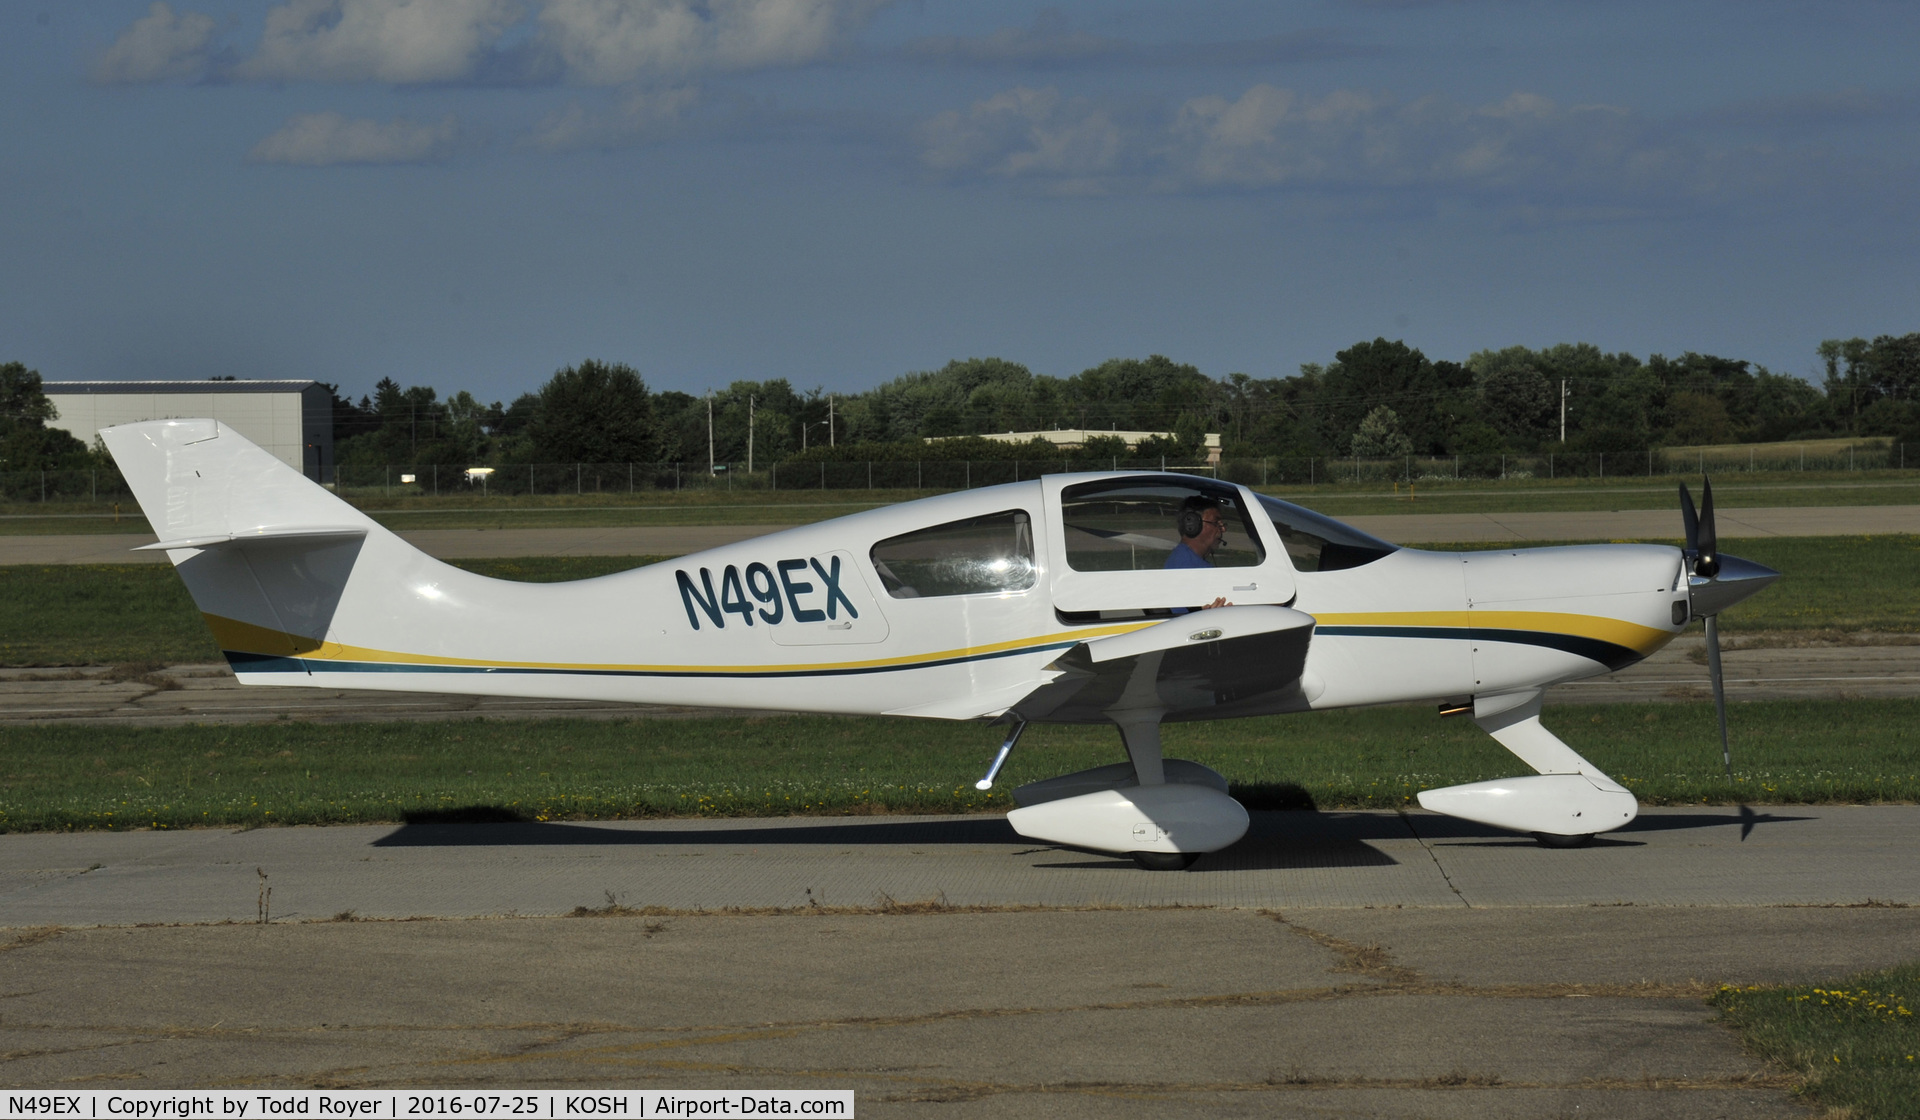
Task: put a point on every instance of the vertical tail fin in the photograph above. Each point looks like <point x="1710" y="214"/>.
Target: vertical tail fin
<point x="203" y="484"/>
<point x="265" y="552"/>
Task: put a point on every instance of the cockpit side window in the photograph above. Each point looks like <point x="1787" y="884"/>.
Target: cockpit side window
<point x="1131" y="524"/>
<point x="977" y="556"/>
<point x="1318" y="543"/>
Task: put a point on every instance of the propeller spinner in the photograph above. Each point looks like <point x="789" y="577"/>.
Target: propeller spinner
<point x="1714" y="583"/>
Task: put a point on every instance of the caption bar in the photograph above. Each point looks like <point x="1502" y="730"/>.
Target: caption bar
<point x="364" y="1104"/>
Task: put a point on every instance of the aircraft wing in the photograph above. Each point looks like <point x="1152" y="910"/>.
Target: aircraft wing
<point x="1227" y="661"/>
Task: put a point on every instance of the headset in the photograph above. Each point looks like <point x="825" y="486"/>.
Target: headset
<point x="1193" y="516"/>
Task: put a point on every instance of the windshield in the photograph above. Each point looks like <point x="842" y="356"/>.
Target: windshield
<point x="1318" y="543"/>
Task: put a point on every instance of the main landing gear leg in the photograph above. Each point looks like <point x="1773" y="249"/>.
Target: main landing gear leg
<point x="1000" y="759"/>
<point x="1140" y="731"/>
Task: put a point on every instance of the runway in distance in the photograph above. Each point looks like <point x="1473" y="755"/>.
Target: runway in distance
<point x="1072" y="598"/>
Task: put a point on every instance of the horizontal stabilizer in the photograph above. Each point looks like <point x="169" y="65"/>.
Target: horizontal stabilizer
<point x="259" y="536"/>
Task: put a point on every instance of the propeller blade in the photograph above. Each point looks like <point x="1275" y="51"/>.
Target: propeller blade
<point x="1709" y="543"/>
<point x="1719" y="688"/>
<point x="1689" y="519"/>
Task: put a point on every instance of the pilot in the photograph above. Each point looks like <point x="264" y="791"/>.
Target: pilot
<point x="1201" y="531"/>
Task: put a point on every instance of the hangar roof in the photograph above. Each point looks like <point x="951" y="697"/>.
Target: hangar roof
<point x="259" y="386"/>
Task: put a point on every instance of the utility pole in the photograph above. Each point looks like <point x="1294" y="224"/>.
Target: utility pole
<point x="749" y="433"/>
<point x="1563" y="410"/>
<point x="830" y="442"/>
<point x="709" y="433"/>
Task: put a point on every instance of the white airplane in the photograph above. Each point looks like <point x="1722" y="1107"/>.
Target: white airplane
<point x="1043" y="601"/>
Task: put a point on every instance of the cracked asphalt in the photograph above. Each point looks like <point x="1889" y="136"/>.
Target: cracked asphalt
<point x="1334" y="964"/>
<point x="1060" y="1012"/>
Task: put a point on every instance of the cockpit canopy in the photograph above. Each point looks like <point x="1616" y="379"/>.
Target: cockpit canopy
<point x="1129" y="524"/>
<point x="1120" y="528"/>
<point x="1318" y="543"/>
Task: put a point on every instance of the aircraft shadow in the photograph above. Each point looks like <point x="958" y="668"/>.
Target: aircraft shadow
<point x="454" y="834"/>
<point x="1433" y="827"/>
<point x="1276" y="840"/>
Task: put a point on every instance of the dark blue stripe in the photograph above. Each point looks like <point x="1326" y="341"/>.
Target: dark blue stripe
<point x="1593" y="649"/>
<point x="1458" y="632"/>
<point x="1606" y="653"/>
<point x="260" y="663"/>
<point x="263" y="663"/>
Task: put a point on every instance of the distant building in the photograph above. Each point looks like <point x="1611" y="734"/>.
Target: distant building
<point x="291" y="419"/>
<point x="1073" y="439"/>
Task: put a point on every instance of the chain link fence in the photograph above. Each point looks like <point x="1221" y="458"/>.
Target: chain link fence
<point x="583" y="479"/>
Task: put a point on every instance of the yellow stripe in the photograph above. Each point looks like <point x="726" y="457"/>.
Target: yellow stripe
<point x="245" y="637"/>
<point x="1632" y="635"/>
<point x="242" y="637"/>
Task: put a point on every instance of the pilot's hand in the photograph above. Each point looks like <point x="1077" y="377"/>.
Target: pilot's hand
<point x="1220" y="602"/>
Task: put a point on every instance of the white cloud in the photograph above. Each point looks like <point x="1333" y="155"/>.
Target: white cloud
<point x="636" y="118"/>
<point x="407" y="42"/>
<point x="1025" y="133"/>
<point x="1524" y="146"/>
<point x="611" y="42"/>
<point x="397" y="41"/>
<point x="159" y="47"/>
<point x="1272" y="137"/>
<point x="322" y="139"/>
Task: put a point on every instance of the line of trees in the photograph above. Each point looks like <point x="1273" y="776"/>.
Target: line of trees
<point x="1377" y="399"/>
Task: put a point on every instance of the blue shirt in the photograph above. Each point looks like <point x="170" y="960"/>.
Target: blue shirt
<point x="1185" y="557"/>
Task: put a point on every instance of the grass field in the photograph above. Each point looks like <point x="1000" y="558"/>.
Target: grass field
<point x="118" y="614"/>
<point x="1732" y="489"/>
<point x="63" y="777"/>
<point x="1855" y="1043"/>
<point x="113" y="614"/>
<point x="1827" y="583"/>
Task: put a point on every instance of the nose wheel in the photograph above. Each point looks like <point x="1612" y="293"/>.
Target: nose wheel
<point x="1551" y="840"/>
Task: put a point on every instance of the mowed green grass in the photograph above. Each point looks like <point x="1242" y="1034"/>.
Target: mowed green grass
<point x="472" y="511"/>
<point x="114" y="614"/>
<point x="1846" y="584"/>
<point x="118" y="614"/>
<point x="1573" y="495"/>
<point x="106" y="777"/>
<point x="1854" y="1042"/>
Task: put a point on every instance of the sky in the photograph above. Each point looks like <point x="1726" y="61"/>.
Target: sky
<point x="471" y="194"/>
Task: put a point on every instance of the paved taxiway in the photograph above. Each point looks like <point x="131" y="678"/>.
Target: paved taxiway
<point x="1332" y="964"/>
<point x="1709" y="856"/>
